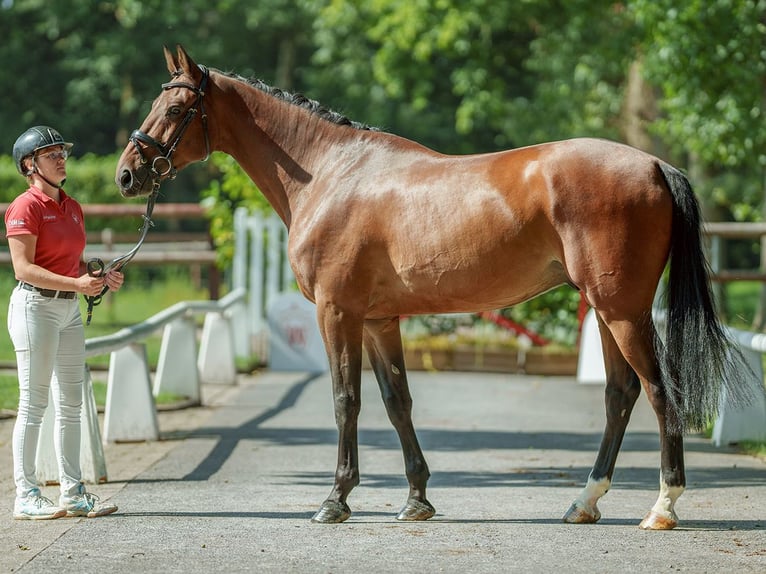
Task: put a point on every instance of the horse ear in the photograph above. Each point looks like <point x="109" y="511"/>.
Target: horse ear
<point x="170" y="59"/>
<point x="185" y="62"/>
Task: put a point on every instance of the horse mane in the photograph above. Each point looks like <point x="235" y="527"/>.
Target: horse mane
<point x="301" y="101"/>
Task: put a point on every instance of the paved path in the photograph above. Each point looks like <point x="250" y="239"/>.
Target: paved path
<point x="233" y="486"/>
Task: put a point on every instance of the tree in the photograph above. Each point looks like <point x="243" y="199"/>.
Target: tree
<point x="92" y="68"/>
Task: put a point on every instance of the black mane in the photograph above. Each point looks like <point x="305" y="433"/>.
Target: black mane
<point x="301" y="101"/>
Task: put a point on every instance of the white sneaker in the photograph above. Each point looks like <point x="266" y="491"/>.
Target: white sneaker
<point x="85" y="504"/>
<point x="34" y="506"/>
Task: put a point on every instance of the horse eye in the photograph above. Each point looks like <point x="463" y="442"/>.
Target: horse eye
<point x="174" y="111"/>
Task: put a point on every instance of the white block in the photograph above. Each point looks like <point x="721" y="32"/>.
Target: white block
<point x="590" y="362"/>
<point x="177" y="364"/>
<point x="131" y="414"/>
<point x="748" y="423"/>
<point x="216" y="361"/>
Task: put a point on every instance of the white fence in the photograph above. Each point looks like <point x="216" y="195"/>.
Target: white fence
<point x="130" y="412"/>
<point x="261" y="267"/>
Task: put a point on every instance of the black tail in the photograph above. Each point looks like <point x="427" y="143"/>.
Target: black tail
<point x="698" y="359"/>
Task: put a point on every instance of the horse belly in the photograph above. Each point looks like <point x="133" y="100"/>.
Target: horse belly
<point x="490" y="283"/>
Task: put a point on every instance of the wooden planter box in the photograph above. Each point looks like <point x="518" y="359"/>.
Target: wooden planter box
<point x="534" y="362"/>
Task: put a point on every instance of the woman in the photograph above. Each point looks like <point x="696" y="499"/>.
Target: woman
<point x="46" y="237"/>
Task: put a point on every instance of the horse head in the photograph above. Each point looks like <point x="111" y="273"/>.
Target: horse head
<point x="169" y="138"/>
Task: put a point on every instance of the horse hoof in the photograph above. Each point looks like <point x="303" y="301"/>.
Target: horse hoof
<point x="579" y="515"/>
<point x="332" y="512"/>
<point x="416" y="510"/>
<point x="654" y="521"/>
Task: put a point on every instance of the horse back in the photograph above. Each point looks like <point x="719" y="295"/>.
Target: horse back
<point x="415" y="231"/>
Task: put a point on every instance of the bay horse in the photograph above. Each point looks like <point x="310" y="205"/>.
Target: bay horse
<point x="380" y="227"/>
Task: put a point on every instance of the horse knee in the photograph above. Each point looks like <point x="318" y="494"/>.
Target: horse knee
<point x="347" y="407"/>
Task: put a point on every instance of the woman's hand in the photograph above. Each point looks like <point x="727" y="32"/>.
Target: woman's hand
<point x="114" y="279"/>
<point x="90" y="285"/>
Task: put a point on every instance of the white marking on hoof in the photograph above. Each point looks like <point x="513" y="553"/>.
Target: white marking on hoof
<point x="587" y="501"/>
<point x="665" y="505"/>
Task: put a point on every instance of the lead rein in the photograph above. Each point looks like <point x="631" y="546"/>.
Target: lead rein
<point x="120" y="262"/>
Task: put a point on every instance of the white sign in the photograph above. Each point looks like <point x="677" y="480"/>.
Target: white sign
<point x="294" y="340"/>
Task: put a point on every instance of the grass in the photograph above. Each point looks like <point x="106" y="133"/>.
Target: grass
<point x="740" y="300"/>
<point x="132" y="304"/>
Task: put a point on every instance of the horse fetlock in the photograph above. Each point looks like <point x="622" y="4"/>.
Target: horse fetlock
<point x="584" y="510"/>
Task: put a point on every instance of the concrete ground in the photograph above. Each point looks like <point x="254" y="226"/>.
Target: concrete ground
<point x="232" y="487"/>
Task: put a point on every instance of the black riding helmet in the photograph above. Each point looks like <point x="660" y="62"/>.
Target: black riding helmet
<point x="34" y="139"/>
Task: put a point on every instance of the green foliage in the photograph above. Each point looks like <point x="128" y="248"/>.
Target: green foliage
<point x="12" y="182"/>
<point x="708" y="58"/>
<point x="552" y="315"/>
<point x="224" y="195"/>
<point x="9" y="392"/>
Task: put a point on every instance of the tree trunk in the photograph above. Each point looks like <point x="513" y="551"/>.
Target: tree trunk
<point x="638" y="111"/>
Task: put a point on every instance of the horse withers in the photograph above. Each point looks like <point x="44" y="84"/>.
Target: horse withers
<point x="380" y="227"/>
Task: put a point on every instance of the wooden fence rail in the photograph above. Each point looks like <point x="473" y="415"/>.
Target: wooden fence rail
<point x="192" y="249"/>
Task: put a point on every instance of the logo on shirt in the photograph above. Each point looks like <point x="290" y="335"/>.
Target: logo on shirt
<point x="16" y="223"/>
<point x="76" y="219"/>
<point x="49" y="218"/>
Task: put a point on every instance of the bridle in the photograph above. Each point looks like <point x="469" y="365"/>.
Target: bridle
<point x="96" y="267"/>
<point x="162" y="164"/>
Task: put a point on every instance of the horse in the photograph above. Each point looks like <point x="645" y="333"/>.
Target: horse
<point x="381" y="227"/>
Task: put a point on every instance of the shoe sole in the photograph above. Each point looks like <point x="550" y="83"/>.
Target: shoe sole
<point x="59" y="514"/>
<point x="75" y="514"/>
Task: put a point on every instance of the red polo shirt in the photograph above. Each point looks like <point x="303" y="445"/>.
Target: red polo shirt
<point x="59" y="228"/>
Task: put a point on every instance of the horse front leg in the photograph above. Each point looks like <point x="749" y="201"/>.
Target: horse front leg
<point x="342" y="334"/>
<point x="384" y="348"/>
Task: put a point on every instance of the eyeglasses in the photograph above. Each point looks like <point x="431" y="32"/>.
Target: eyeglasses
<point x="56" y="155"/>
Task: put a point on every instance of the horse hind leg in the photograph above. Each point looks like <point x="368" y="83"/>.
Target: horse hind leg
<point x="622" y="390"/>
<point x="637" y="341"/>
<point x="662" y="515"/>
<point x="384" y="348"/>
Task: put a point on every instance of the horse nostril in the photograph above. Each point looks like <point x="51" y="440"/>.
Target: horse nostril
<point x="125" y="181"/>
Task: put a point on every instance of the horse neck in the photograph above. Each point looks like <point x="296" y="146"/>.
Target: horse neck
<point x="272" y="141"/>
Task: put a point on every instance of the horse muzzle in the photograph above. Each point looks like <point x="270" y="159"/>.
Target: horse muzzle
<point x="136" y="182"/>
